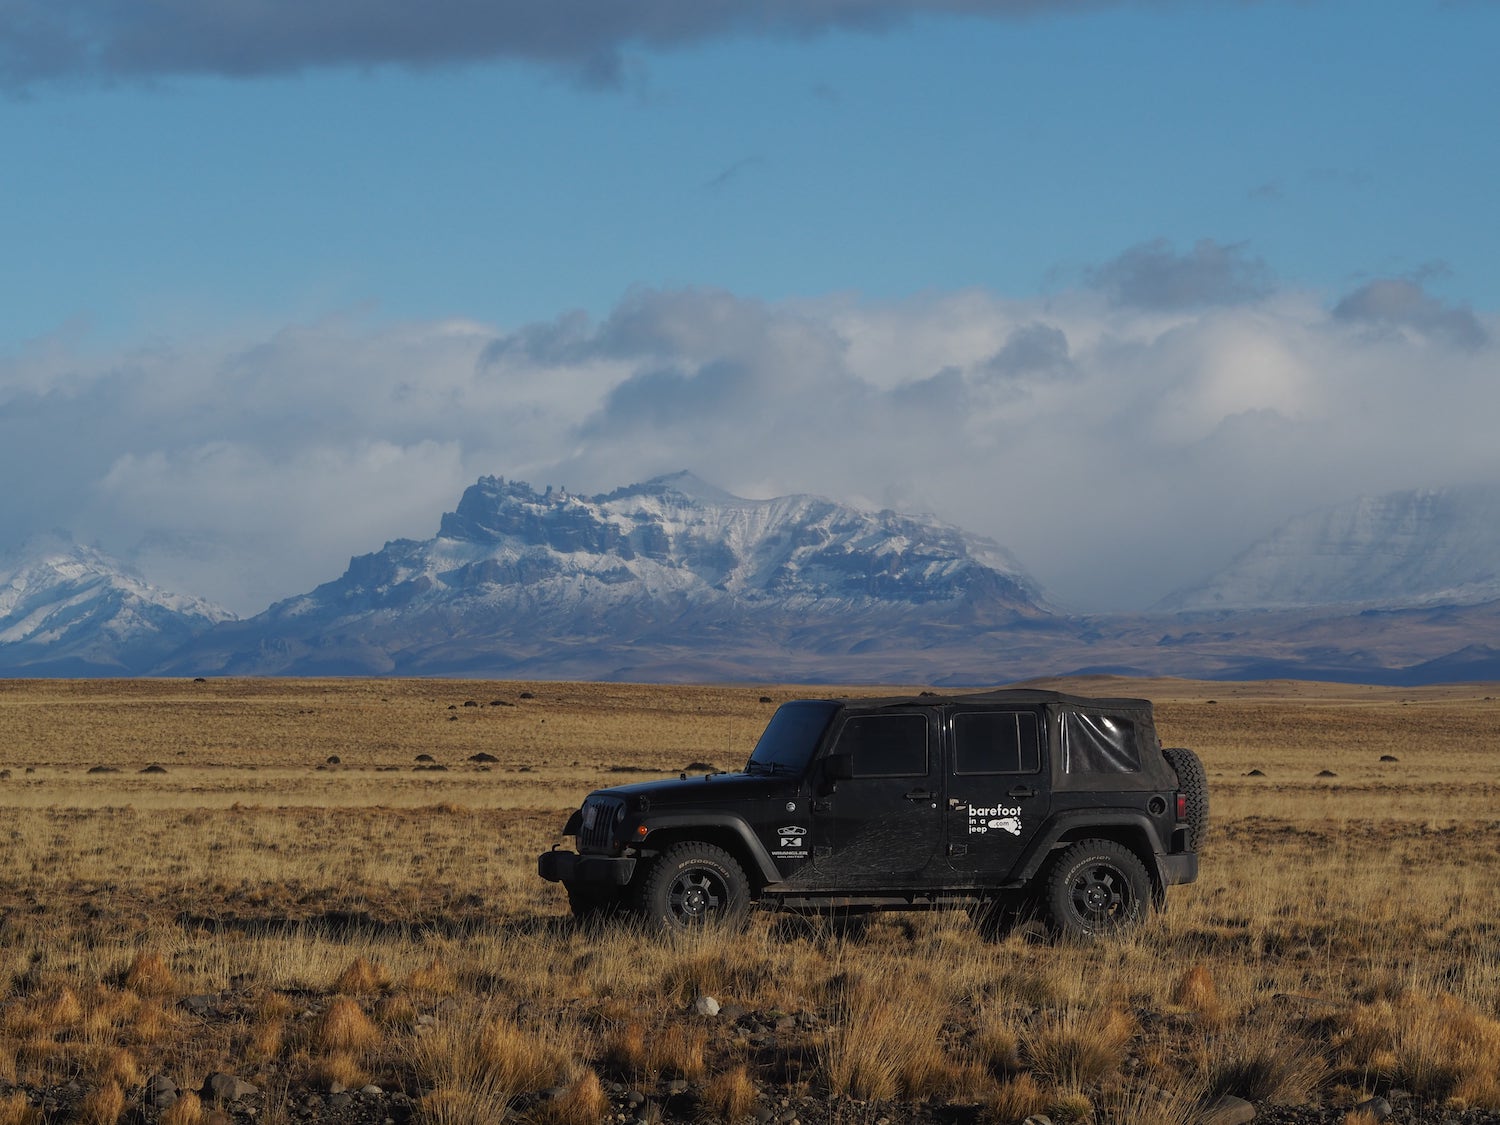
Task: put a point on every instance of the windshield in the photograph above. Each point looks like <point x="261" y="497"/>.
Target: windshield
<point x="791" y="736"/>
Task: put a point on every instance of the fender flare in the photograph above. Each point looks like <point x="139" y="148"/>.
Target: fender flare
<point x="1059" y="825"/>
<point x="752" y="847"/>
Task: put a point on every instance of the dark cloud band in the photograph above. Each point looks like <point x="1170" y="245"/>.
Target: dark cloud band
<point x="44" y="40"/>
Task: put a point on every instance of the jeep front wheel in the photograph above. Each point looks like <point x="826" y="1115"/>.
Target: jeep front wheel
<point x="694" y="884"/>
<point x="1096" y="887"/>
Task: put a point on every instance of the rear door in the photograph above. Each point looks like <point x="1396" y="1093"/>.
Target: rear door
<point x="998" y="789"/>
<point x="883" y="826"/>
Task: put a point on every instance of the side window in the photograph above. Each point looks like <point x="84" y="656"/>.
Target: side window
<point x="996" y="742"/>
<point x="886" y="745"/>
<point x="1099" y="744"/>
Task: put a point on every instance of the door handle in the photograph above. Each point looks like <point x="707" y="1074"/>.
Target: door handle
<point x="821" y="806"/>
<point x="919" y="795"/>
<point x="1022" y="791"/>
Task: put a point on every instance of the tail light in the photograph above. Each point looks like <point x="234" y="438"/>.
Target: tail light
<point x="1181" y="806"/>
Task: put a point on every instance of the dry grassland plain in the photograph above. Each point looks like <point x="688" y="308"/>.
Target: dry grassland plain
<point x="289" y="899"/>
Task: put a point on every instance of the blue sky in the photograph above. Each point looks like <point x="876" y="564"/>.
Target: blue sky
<point x="203" y="218"/>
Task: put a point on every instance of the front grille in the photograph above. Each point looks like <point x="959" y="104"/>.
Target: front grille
<point x="597" y="834"/>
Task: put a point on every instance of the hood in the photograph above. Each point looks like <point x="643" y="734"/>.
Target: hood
<point x="714" y="788"/>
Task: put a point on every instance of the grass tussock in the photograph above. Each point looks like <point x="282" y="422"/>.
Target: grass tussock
<point x="103" y="1106"/>
<point x="345" y="1027"/>
<point x="149" y="976"/>
<point x="362" y="978"/>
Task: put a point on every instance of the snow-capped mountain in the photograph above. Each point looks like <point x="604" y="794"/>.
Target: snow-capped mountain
<point x="67" y="609"/>
<point x="673" y="563"/>
<point x="1427" y="547"/>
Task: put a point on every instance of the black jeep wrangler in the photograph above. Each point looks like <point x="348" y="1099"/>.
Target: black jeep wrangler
<point x="1010" y="802"/>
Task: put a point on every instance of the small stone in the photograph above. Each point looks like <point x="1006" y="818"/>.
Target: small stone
<point x="1038" y="1119"/>
<point x="705" y="1006"/>
<point x="336" y="1087"/>
<point x="198" y="1005"/>
<point x="635" y="1098"/>
<point x="1228" y="1110"/>
<point x="371" y="1091"/>
<point x="222" y="1087"/>
<point x="341" y="1101"/>
<point x="677" y="1086"/>
<point x="1326" y="773"/>
<point x="1376" y="1107"/>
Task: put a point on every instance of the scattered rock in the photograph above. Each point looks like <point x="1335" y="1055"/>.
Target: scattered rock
<point x="161" y="1092"/>
<point x="436" y="768"/>
<point x="705" y="1006"/>
<point x="199" y="680"/>
<point x="1389" y="758"/>
<point x="1228" y="1110"/>
<point x="334" y="760"/>
<point x="471" y="703"/>
<point x="483" y="757"/>
<point x="765" y="699"/>
<point x="154" y="768"/>
<point x="527" y="695"/>
<point x="371" y="1091"/>
<point x="221" y="1087"/>
<point x="103" y="769"/>
<point x="1326" y="773"/>
<point x="198" y="1005"/>
<point x="1038" y="1119"/>
<point x="424" y="758"/>
<point x="1256" y="773"/>
<point x="501" y="703"/>
<point x="1376" y="1107"/>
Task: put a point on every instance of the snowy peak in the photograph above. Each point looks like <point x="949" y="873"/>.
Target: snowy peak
<point x="678" y="534"/>
<point x="66" y="608"/>
<point x="1421" y="547"/>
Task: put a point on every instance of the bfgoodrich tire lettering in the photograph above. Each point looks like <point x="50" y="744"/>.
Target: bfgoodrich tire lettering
<point x="1096" y="887"/>
<point x="694" y="884"/>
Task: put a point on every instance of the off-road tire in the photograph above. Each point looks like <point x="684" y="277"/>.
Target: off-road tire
<point x="694" y="884"/>
<point x="1193" y="779"/>
<point x="1095" y="888"/>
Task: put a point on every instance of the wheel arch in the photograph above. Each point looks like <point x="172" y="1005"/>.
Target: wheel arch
<point x="727" y="832"/>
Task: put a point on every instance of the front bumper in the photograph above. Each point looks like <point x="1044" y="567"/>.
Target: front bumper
<point x="558" y="866"/>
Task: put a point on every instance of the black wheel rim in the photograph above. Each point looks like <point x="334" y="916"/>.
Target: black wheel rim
<point x="1101" y="895"/>
<point x="695" y="895"/>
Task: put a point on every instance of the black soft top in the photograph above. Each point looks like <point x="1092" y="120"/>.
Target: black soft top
<point x="1099" y="743"/>
<point x="1000" y="697"/>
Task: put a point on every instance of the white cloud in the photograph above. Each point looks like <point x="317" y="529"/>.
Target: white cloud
<point x="1119" y="451"/>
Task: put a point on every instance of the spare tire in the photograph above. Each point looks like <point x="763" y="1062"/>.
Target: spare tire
<point x="1192" y="779"/>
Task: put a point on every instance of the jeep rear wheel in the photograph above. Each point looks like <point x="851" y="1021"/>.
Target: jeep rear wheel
<point x="1096" y="887"/>
<point x="694" y="884"/>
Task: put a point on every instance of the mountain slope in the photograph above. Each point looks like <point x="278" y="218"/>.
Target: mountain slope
<point x="68" y="610"/>
<point x="672" y="570"/>
<point x="1402" y="549"/>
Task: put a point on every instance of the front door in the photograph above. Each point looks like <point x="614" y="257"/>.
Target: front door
<point x="998" y="789"/>
<point x="882" y="826"/>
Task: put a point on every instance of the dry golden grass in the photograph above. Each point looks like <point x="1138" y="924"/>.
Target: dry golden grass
<point x="363" y="921"/>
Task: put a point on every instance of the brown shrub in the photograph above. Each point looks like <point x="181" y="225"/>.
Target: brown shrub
<point x="1017" y="1099"/>
<point x="583" y="1102"/>
<point x="435" y="977"/>
<point x="186" y="1110"/>
<point x="624" y="1049"/>
<point x="361" y="977"/>
<point x="731" y="1095"/>
<point x="103" y="1105"/>
<point x="677" y="1052"/>
<point x="345" y="1027"/>
<point x="1078" y="1048"/>
<point x="148" y="975"/>
<point x="1196" y="991"/>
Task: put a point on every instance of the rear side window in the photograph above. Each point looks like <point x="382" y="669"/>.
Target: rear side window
<point x="886" y="745"/>
<point x="988" y="742"/>
<point x="1099" y="744"/>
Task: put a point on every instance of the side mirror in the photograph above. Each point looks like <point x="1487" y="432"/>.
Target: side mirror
<point x="838" y="767"/>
